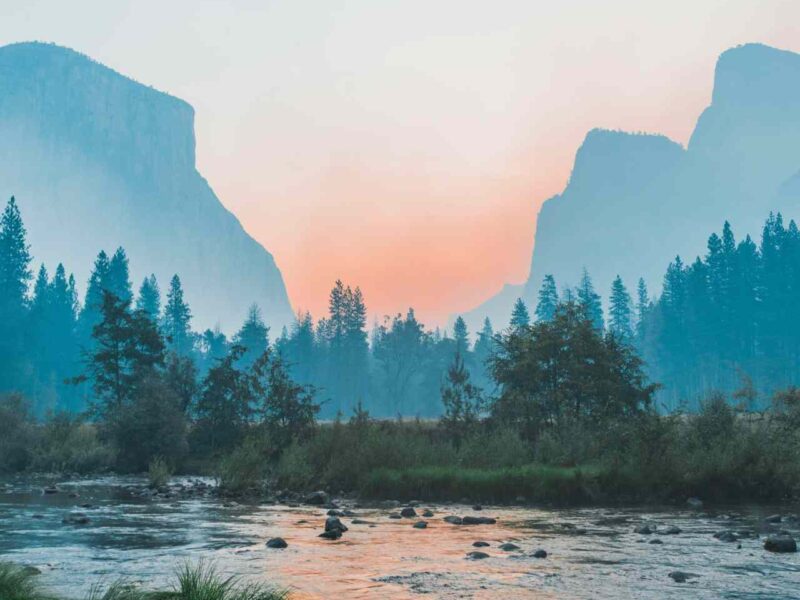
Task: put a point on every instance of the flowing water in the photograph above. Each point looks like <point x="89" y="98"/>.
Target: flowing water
<point x="592" y="553"/>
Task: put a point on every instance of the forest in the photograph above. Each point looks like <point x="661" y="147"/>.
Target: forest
<point x="570" y="403"/>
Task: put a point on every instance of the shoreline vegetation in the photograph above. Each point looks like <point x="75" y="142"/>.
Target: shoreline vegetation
<point x="558" y="409"/>
<point x="193" y="582"/>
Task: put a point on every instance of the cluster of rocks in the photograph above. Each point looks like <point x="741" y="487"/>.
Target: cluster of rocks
<point x="190" y="489"/>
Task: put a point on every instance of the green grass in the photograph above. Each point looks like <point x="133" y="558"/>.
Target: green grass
<point x="194" y="582"/>
<point x="535" y="483"/>
<point x="18" y="583"/>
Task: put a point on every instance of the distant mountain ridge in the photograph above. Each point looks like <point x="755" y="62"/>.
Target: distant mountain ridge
<point x="97" y="160"/>
<point x="634" y="201"/>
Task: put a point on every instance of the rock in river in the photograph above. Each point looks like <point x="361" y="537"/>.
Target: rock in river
<point x="680" y="576"/>
<point x="334" y="524"/>
<point x="420" y="525"/>
<point x="782" y="542"/>
<point x="540" y="554"/>
<point x="453" y="520"/>
<point x="508" y="547"/>
<point x="480" y="544"/>
<point x="468" y="520"/>
<point x="408" y="512"/>
<point x="334" y="534"/>
<point x="477" y="555"/>
<point x="277" y="543"/>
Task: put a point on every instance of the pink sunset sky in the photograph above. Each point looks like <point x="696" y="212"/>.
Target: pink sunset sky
<point x="406" y="146"/>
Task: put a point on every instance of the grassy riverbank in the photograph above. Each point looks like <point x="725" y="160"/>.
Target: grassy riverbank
<point x="200" y="582"/>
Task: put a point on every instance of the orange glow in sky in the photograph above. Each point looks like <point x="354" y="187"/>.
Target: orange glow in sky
<point x="405" y="146"/>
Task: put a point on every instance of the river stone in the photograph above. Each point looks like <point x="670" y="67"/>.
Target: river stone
<point x="480" y="544"/>
<point x="361" y="522"/>
<point x="508" y="547"/>
<point x="334" y="524"/>
<point x="277" y="543"/>
<point x="333" y="534"/>
<point x="540" y="554"/>
<point x="420" y="525"/>
<point x="644" y="529"/>
<point x="694" y="503"/>
<point x="453" y="520"/>
<point x="672" y="530"/>
<point x="656" y="541"/>
<point x="427" y="514"/>
<point x="726" y="536"/>
<point x="408" y="512"/>
<point x="318" y="498"/>
<point x="477" y="555"/>
<point x="469" y="520"/>
<point x="680" y="576"/>
<point x="782" y="542"/>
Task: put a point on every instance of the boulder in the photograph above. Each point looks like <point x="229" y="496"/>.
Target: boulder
<point x="508" y="547"/>
<point x="540" y="554"/>
<point x="477" y="555"/>
<point x="277" y="543"/>
<point x="408" y="512"/>
<point x="334" y="534"/>
<point x="427" y="514"/>
<point x="334" y="524"/>
<point x="420" y="525"/>
<point x="726" y="536"/>
<point x="453" y="520"/>
<point x="782" y="542"/>
<point x="480" y="544"/>
<point x="318" y="498"/>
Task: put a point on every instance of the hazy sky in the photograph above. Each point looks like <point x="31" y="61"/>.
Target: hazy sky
<point x="405" y="146"/>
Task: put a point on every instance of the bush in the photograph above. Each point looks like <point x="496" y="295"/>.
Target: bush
<point x="67" y="444"/>
<point x="18" y="583"/>
<point x="17" y="433"/>
<point x="243" y="470"/>
<point x="158" y="473"/>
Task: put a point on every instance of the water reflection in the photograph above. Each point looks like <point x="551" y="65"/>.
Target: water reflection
<point x="591" y="553"/>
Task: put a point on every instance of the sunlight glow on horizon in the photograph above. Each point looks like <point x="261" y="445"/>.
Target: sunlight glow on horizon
<point x="405" y="147"/>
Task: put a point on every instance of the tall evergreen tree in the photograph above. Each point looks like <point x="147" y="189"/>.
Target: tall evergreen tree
<point x="461" y="336"/>
<point x="519" y="315"/>
<point x="589" y="301"/>
<point x="119" y="281"/>
<point x="177" y="318"/>
<point x="149" y="300"/>
<point x="253" y="337"/>
<point x="93" y="301"/>
<point x="642" y="306"/>
<point x="620" y="311"/>
<point x="15" y="274"/>
<point x="548" y="299"/>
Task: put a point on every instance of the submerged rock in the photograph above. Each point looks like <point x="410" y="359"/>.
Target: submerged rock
<point x="477" y="555"/>
<point x="680" y="576"/>
<point x="540" y="554"/>
<point x="726" y="536"/>
<point x="277" y="543"/>
<point x="76" y="519"/>
<point x="656" y="541"/>
<point x="420" y="525"/>
<point x="782" y="542"/>
<point x="469" y="520"/>
<point x="453" y="520"/>
<point x="334" y="534"/>
<point x="427" y="514"/>
<point x="480" y="544"/>
<point x="508" y="547"/>
<point x="672" y="530"/>
<point x="408" y="512"/>
<point x="644" y="529"/>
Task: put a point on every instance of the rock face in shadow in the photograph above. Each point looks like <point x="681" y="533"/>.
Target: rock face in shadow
<point x="633" y="201"/>
<point x="98" y="161"/>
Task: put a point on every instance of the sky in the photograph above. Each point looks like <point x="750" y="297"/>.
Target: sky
<point x="405" y="146"/>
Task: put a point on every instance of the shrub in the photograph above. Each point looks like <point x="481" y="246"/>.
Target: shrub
<point x="243" y="470"/>
<point x="18" y="583"/>
<point x="158" y="473"/>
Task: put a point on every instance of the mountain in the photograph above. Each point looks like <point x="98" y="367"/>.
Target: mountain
<point x="98" y="161"/>
<point x="634" y="201"/>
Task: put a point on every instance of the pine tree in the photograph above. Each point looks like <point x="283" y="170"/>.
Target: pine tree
<point x="620" y="311"/>
<point x="177" y="317"/>
<point x="462" y="401"/>
<point x="15" y="274"/>
<point x="485" y="342"/>
<point x="642" y="306"/>
<point x="149" y="300"/>
<point x="519" y="315"/>
<point x="548" y="299"/>
<point x="253" y="337"/>
<point x="119" y="281"/>
<point x="91" y="313"/>
<point x="589" y="301"/>
<point x="461" y="336"/>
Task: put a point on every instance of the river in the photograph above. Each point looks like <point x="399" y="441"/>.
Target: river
<point x="592" y="553"/>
